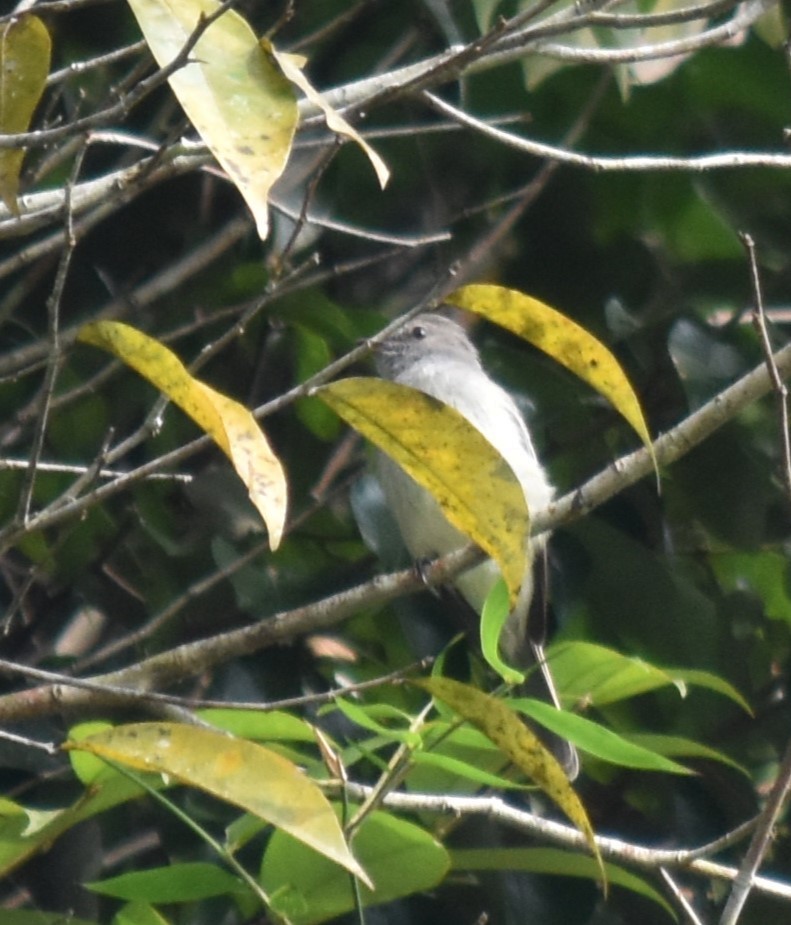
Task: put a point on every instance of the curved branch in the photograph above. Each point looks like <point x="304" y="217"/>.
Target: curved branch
<point x="631" y="163"/>
<point x="613" y="849"/>
<point x="194" y="657"/>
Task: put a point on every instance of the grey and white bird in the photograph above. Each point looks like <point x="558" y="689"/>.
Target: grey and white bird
<point x="433" y="354"/>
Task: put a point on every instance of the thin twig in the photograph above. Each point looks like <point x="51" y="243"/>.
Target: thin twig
<point x="745" y="879"/>
<point x="779" y="387"/>
<point x="120" y="110"/>
<point x="53" y="347"/>
<point x="627" y="164"/>
<point x="680" y="898"/>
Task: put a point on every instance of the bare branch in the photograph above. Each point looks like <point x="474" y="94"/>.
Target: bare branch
<point x="613" y="849"/>
<point x="631" y="163"/>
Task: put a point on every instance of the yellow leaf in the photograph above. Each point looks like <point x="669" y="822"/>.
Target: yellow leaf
<point x="440" y="449"/>
<point x="24" y="64"/>
<point x="562" y="339"/>
<point x="291" y="66"/>
<point x="237" y="99"/>
<point x="228" y="423"/>
<point x="522" y="747"/>
<point x="240" y="772"/>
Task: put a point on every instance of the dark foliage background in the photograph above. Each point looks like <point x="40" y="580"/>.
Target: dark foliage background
<point x="648" y="260"/>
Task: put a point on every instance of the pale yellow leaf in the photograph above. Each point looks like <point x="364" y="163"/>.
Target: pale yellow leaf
<point x="439" y="448"/>
<point x="561" y="338"/>
<point x="24" y="64"/>
<point x="228" y="423"/>
<point x="240" y="772"/>
<point x="237" y="99"/>
<point x="291" y="66"/>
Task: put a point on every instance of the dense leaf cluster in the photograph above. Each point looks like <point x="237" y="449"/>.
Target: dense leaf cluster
<point x="132" y="556"/>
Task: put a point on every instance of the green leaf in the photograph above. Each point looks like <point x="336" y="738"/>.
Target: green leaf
<point x="176" y="883"/>
<point x="312" y="354"/>
<point x="469" y="752"/>
<point x="25" y="831"/>
<point x="139" y="913"/>
<point x="263" y="726"/>
<point x="595" y="675"/>
<point x="494" y="615"/>
<point x="24" y="64"/>
<point x="400" y="857"/>
<point x="233" y="93"/>
<point x="596" y="739"/>
<point x="453" y="767"/>
<point x="679" y="746"/>
<point x="88" y="768"/>
<point x="366" y="718"/>
<point x="712" y="682"/>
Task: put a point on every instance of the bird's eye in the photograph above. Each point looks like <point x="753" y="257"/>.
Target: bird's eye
<point x="418" y="332"/>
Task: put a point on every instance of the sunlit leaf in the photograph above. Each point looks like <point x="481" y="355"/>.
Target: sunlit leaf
<point x="24" y="64"/>
<point x="562" y="339"/>
<point x="552" y="861"/>
<point x="400" y="857"/>
<point x="291" y="66"/>
<point x="237" y="99"/>
<point x="228" y="423"/>
<point x="266" y="725"/>
<point x="597" y="740"/>
<point x="509" y="733"/>
<point x="239" y="772"/>
<point x="439" y="448"/>
<point x="176" y="883"/>
<point x="595" y="675"/>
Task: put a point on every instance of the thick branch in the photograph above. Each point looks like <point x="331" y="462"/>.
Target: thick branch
<point x="192" y="658"/>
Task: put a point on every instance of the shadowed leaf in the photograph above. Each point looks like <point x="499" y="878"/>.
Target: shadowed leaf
<point x="553" y="861"/>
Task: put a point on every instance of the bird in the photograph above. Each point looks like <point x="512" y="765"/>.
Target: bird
<point x="434" y="354"/>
